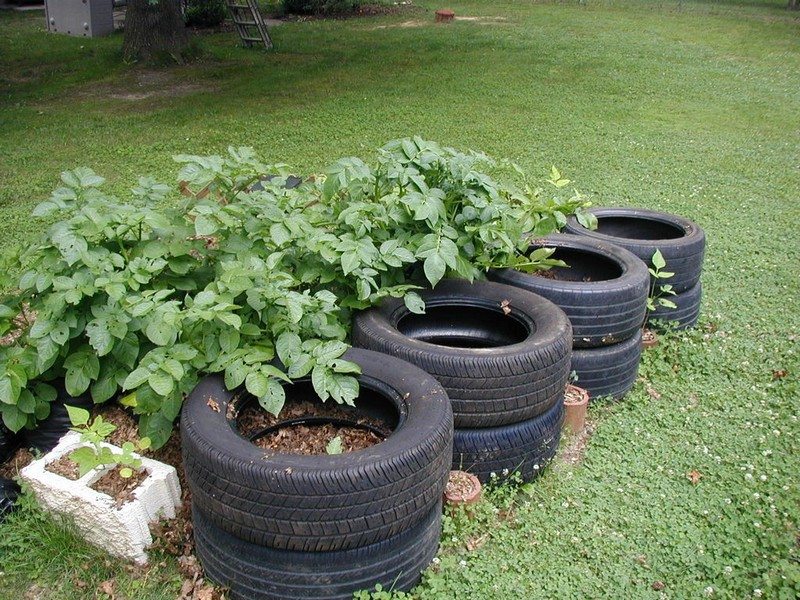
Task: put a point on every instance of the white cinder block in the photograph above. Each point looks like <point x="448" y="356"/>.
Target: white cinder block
<point x="120" y="531"/>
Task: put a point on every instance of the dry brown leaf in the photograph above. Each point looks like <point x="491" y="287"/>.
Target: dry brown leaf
<point x="694" y="476"/>
<point x="213" y="404"/>
<point x="653" y="393"/>
<point x="658" y="585"/>
<point x="475" y="543"/>
<point x="779" y="374"/>
<point x="109" y="588"/>
<point x="506" y="306"/>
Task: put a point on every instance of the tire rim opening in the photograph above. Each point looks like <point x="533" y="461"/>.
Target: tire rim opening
<point x="308" y="426"/>
<point x="464" y="326"/>
<point x="582" y="266"/>
<point x="638" y="228"/>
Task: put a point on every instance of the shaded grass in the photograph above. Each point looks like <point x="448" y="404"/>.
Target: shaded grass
<point x="686" y="107"/>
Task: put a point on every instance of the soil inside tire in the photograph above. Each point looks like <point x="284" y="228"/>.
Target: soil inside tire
<point x="306" y="426"/>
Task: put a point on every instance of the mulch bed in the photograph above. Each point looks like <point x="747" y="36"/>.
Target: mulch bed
<point x="118" y="487"/>
<point x="310" y="439"/>
<point x="64" y="466"/>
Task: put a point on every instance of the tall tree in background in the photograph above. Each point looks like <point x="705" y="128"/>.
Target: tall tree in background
<point x="794" y="4"/>
<point x="154" y="30"/>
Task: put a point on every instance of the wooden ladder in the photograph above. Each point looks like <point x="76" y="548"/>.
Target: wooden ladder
<point x="249" y="22"/>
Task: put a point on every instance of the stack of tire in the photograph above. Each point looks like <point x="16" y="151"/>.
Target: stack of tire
<point x="603" y="292"/>
<point x="681" y="242"/>
<point x="275" y="525"/>
<point x="503" y="356"/>
<point x="9" y="489"/>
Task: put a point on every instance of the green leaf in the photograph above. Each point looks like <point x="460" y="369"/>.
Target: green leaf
<point x="280" y="234"/>
<point x="658" y="260"/>
<point x="99" y="337"/>
<point x="81" y="368"/>
<point x="44" y="392"/>
<point x="327" y="351"/>
<point x="204" y="225"/>
<point x="667" y="303"/>
<point x="228" y="340"/>
<point x="334" y="446"/>
<point x="434" y="267"/>
<point x="9" y="390"/>
<point x="345" y="366"/>
<point x="26" y="402"/>
<point x="160" y="332"/>
<point x="104" y="388"/>
<point x="235" y="374"/>
<point x="301" y="366"/>
<point x="343" y="388"/>
<point x="274" y="398"/>
<point x="86" y="458"/>
<point x="287" y="345"/>
<point x="231" y="319"/>
<point x="174" y="368"/>
<point x="161" y="382"/>
<point x="13" y="418"/>
<point x="77" y="416"/>
<point x="319" y="379"/>
<point x="414" y="303"/>
<point x="136" y="378"/>
<point x="257" y="384"/>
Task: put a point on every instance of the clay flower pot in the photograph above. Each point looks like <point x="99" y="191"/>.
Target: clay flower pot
<point x="445" y="16"/>
<point x="462" y="489"/>
<point x="649" y="338"/>
<point x="576" y="401"/>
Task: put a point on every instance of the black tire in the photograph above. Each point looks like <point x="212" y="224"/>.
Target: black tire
<point x="9" y="491"/>
<point x="9" y="442"/>
<point x="49" y="431"/>
<point x="682" y="242"/>
<point x="525" y="447"/>
<point x="322" y="503"/>
<point x="603" y="291"/>
<point x="254" y="572"/>
<point x="610" y="370"/>
<point x="685" y="314"/>
<point x="497" y="368"/>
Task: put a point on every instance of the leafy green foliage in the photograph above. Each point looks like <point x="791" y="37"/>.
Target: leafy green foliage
<point x="142" y="297"/>
<point x="205" y="13"/>
<point x="96" y="455"/>
<point x="658" y="292"/>
<point x="321" y="7"/>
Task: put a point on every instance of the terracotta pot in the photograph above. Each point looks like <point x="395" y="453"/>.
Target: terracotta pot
<point x="576" y="401"/>
<point x="649" y="338"/>
<point x="462" y="489"/>
<point x="444" y="16"/>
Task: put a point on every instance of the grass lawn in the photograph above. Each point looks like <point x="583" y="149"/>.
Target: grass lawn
<point x="688" y="107"/>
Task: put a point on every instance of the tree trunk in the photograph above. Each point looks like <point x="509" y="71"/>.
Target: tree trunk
<point x="794" y="4"/>
<point x="154" y="31"/>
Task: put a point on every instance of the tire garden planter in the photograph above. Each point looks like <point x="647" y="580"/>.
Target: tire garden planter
<point x="120" y="530"/>
<point x="603" y="290"/>
<point x="610" y="370"/>
<point x="279" y="525"/>
<point x="685" y="313"/>
<point x="501" y="353"/>
<point x="9" y="490"/>
<point x="681" y="241"/>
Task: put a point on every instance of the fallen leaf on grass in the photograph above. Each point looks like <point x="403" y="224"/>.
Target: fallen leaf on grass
<point x="694" y="476"/>
<point x="779" y="374"/>
<point x="658" y="585"/>
<point x="475" y="543"/>
<point x="653" y="393"/>
<point x="109" y="588"/>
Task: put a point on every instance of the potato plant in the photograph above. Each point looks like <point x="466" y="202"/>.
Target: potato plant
<point x="138" y="298"/>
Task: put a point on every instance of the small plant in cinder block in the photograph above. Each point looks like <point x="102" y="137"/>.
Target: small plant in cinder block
<point x="119" y="526"/>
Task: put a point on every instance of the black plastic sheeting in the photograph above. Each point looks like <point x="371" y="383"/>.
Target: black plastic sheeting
<point x="291" y="183"/>
<point x="47" y="433"/>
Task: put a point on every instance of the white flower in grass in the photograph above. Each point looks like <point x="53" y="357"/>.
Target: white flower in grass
<point x="462" y="563"/>
<point x="757" y="593"/>
<point x="709" y="591"/>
